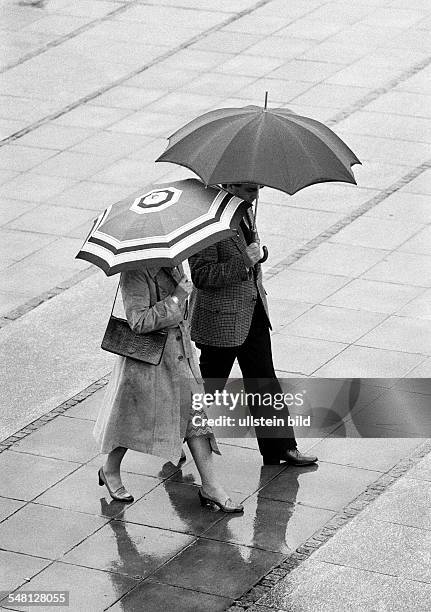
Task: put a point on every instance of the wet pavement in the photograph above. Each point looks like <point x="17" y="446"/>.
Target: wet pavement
<point x="59" y="530"/>
<point x="348" y="273"/>
<point x="378" y="561"/>
<point x="90" y="91"/>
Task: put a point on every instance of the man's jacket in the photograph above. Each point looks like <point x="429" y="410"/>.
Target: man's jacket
<point x="225" y="293"/>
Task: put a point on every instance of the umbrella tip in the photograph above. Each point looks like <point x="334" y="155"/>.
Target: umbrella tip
<point x="266" y="101"/>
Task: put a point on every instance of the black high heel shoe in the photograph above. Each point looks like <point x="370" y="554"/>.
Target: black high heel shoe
<point x="119" y="494"/>
<point x="228" y="505"/>
<point x="182" y="459"/>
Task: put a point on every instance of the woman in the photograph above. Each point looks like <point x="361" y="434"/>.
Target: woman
<point x="148" y="408"/>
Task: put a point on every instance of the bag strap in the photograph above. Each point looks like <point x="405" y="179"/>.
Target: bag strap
<point x="115" y="299"/>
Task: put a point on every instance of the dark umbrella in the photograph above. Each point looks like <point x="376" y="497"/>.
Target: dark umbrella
<point x="272" y="147"/>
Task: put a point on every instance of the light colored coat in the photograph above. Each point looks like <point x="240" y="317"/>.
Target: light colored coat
<point x="147" y="407"/>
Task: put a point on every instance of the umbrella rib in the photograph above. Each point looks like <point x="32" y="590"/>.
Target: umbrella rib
<point x="232" y="135"/>
<point x="220" y="160"/>
<point x="299" y="142"/>
<point x="238" y="147"/>
<point x="316" y="165"/>
<point x="321" y="131"/>
<point x="205" y="120"/>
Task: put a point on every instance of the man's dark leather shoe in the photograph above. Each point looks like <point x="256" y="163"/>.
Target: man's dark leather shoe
<point x="293" y="457"/>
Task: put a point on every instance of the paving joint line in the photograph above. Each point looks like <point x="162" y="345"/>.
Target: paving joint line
<point x="65" y="37"/>
<point x="85" y="27"/>
<point x="292" y="257"/>
<point x="20" y="311"/>
<point x="33" y="303"/>
<point x="281" y="266"/>
<point x="379" y="91"/>
<point x="7" y="443"/>
<point x="249" y="602"/>
<point x="345" y="221"/>
<point x="160" y="58"/>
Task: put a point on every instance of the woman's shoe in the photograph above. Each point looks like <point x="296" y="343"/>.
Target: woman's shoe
<point x="228" y="505"/>
<point x="119" y="494"/>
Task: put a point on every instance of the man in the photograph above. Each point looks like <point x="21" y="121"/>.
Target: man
<point x="230" y="321"/>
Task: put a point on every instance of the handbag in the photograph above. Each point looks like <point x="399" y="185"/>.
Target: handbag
<point x="121" y="340"/>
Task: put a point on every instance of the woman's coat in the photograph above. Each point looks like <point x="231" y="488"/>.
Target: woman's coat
<point x="147" y="407"/>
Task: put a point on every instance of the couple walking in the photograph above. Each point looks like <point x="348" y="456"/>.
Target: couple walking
<point x="147" y="408"/>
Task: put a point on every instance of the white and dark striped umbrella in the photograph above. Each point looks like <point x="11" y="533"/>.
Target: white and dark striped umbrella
<point x="161" y="226"/>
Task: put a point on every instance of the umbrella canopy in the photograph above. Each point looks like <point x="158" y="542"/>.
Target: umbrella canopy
<point x="161" y="226"/>
<point x="272" y="147"/>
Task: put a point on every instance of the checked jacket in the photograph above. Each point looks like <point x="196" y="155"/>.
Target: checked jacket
<point x="225" y="293"/>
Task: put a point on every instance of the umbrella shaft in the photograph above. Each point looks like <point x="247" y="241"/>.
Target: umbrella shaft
<point x="255" y="217"/>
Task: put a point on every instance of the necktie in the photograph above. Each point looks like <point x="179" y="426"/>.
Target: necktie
<point x="246" y="231"/>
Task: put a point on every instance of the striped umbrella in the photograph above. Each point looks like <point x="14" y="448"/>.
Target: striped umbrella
<point x="161" y="226"/>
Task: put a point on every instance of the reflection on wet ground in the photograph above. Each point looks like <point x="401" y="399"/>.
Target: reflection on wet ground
<point x="165" y="548"/>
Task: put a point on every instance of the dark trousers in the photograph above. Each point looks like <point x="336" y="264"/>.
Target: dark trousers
<point x="255" y="361"/>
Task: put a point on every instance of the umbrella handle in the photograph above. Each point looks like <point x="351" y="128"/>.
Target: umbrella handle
<point x="265" y="255"/>
<point x="264" y="249"/>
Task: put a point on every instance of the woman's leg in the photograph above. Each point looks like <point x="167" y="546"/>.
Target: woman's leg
<point x="111" y="469"/>
<point x="204" y="458"/>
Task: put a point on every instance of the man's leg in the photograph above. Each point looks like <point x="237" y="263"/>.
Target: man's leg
<point x="216" y="363"/>
<point x="255" y="361"/>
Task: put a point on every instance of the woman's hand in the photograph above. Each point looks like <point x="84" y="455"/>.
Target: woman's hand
<point x="183" y="289"/>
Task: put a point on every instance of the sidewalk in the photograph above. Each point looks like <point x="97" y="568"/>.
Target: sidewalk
<point x="58" y="531"/>
<point x="90" y="91"/>
<point x="349" y="266"/>
<point x="378" y="561"/>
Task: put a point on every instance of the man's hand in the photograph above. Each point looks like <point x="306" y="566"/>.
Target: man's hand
<point x="252" y="254"/>
<point x="183" y="289"/>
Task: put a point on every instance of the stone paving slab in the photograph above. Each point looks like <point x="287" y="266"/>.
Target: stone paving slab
<point x="58" y="347"/>
<point x="157" y="539"/>
<point x="25" y="476"/>
<point x="151" y="548"/>
<point x="72" y="145"/>
<point x="379" y="456"/>
<point x="319" y="585"/>
<point x="313" y="579"/>
<point x="370" y="362"/>
<point x="388" y="548"/>
<point x="104" y="590"/>
<point x="271" y="524"/>
<point x="222" y="569"/>
<point x="159" y="596"/>
<point x="329" y="487"/>
<point x="406" y="502"/>
<point x="109" y="17"/>
<point x="374" y="296"/>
